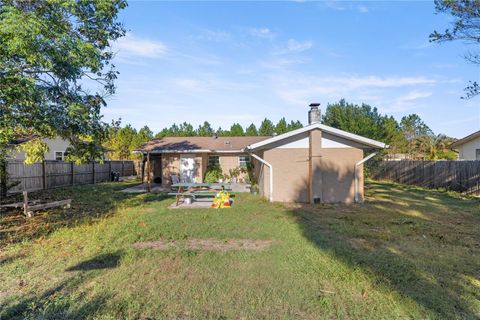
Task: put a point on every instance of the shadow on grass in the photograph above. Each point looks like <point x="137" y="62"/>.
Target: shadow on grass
<point x="90" y="203"/>
<point x="64" y="301"/>
<point x="103" y="261"/>
<point x="424" y="247"/>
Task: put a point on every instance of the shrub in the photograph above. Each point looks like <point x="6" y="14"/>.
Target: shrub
<point x="213" y="174"/>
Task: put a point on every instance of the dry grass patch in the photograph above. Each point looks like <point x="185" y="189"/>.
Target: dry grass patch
<point x="205" y="244"/>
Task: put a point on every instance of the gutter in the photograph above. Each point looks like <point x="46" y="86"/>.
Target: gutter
<point x="270" y="168"/>
<point x="357" y="194"/>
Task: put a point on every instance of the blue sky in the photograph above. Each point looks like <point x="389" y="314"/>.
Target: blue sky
<point x="228" y="62"/>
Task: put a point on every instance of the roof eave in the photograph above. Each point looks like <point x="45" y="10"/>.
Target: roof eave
<point x="347" y="135"/>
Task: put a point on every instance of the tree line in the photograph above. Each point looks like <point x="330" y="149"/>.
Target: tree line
<point x="266" y="128"/>
<point x="410" y="137"/>
<point x="122" y="141"/>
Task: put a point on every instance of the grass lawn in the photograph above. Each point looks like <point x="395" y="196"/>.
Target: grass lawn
<point x="405" y="253"/>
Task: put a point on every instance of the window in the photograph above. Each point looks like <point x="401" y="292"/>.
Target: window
<point x="58" y="155"/>
<point x="213" y="161"/>
<point x="243" y="161"/>
<point x="477" y="156"/>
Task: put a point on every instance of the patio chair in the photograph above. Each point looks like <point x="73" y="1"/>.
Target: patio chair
<point x="174" y="179"/>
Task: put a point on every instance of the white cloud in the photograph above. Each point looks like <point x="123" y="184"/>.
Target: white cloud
<point x="214" y="35"/>
<point x="362" y="9"/>
<point x="294" y="46"/>
<point x="414" y="95"/>
<point x="264" y="33"/>
<point x="344" y="5"/>
<point x="131" y="45"/>
<point x="298" y="46"/>
<point x="299" y="89"/>
<point x="382" y="82"/>
<point x="189" y="84"/>
<point x="407" y="101"/>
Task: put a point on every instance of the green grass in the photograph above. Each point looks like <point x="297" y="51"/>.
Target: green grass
<point x="406" y="253"/>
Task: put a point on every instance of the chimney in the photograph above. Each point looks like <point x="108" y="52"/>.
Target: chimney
<point x="314" y="113"/>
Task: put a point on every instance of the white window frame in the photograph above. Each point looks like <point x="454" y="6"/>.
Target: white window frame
<point x="245" y="163"/>
<point x="211" y="156"/>
<point x="55" y="155"/>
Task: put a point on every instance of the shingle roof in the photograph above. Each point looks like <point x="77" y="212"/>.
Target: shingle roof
<point x="465" y="139"/>
<point x="198" y="144"/>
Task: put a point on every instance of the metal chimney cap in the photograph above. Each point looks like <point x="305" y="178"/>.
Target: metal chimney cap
<point x="314" y="104"/>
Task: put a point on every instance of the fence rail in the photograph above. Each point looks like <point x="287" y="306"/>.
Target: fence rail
<point x="460" y="176"/>
<point x="54" y="174"/>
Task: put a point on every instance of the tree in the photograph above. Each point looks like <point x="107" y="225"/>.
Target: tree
<point x="51" y="50"/>
<point x="266" y="128"/>
<point x="185" y="130"/>
<point x="281" y="126"/>
<point x="362" y="120"/>
<point x="435" y="147"/>
<point x="236" y="130"/>
<point x="394" y="136"/>
<point x="143" y="136"/>
<point x="122" y="142"/>
<point x="251" y="130"/>
<point x="412" y="128"/>
<point x="294" y="125"/>
<point x="205" y="130"/>
<point x="466" y="28"/>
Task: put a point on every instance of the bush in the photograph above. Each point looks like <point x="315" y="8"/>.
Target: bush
<point x="213" y="174"/>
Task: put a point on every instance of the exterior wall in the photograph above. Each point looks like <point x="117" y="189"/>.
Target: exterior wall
<point x="290" y="174"/>
<point x="315" y="160"/>
<point x="57" y="144"/>
<point x="170" y="166"/>
<point x="198" y="168"/>
<point x="302" y="174"/>
<point x="337" y="173"/>
<point x="231" y="161"/>
<point x="467" y="151"/>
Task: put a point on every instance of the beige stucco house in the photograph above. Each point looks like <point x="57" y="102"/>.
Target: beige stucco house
<point x="189" y="157"/>
<point x="468" y="147"/>
<point x="57" y="147"/>
<point x="314" y="164"/>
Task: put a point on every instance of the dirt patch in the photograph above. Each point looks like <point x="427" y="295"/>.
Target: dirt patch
<point x="205" y="244"/>
<point x="360" y="243"/>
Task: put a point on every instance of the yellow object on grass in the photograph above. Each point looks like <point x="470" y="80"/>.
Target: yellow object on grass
<point x="221" y="200"/>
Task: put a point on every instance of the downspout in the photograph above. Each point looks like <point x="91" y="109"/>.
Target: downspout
<point x="357" y="194"/>
<point x="270" y="196"/>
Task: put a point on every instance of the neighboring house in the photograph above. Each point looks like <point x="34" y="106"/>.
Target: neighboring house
<point x="57" y="147"/>
<point x="316" y="163"/>
<point x="468" y="147"/>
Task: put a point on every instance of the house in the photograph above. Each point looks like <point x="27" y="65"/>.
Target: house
<point x="189" y="157"/>
<point x="56" y="148"/>
<point x="313" y="164"/>
<point x="468" y="147"/>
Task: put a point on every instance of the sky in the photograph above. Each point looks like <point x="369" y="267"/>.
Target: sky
<point x="227" y="62"/>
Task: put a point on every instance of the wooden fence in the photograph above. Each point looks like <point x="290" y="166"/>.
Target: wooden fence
<point x="460" y="176"/>
<point x="53" y="174"/>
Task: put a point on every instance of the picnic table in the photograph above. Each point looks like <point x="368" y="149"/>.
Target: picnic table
<point x="194" y="190"/>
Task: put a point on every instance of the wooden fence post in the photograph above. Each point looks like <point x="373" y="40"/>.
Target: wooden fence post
<point x="72" y="167"/>
<point x="123" y="168"/>
<point x="44" y="175"/>
<point x="109" y="170"/>
<point x="93" y="172"/>
<point x="25" y="203"/>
